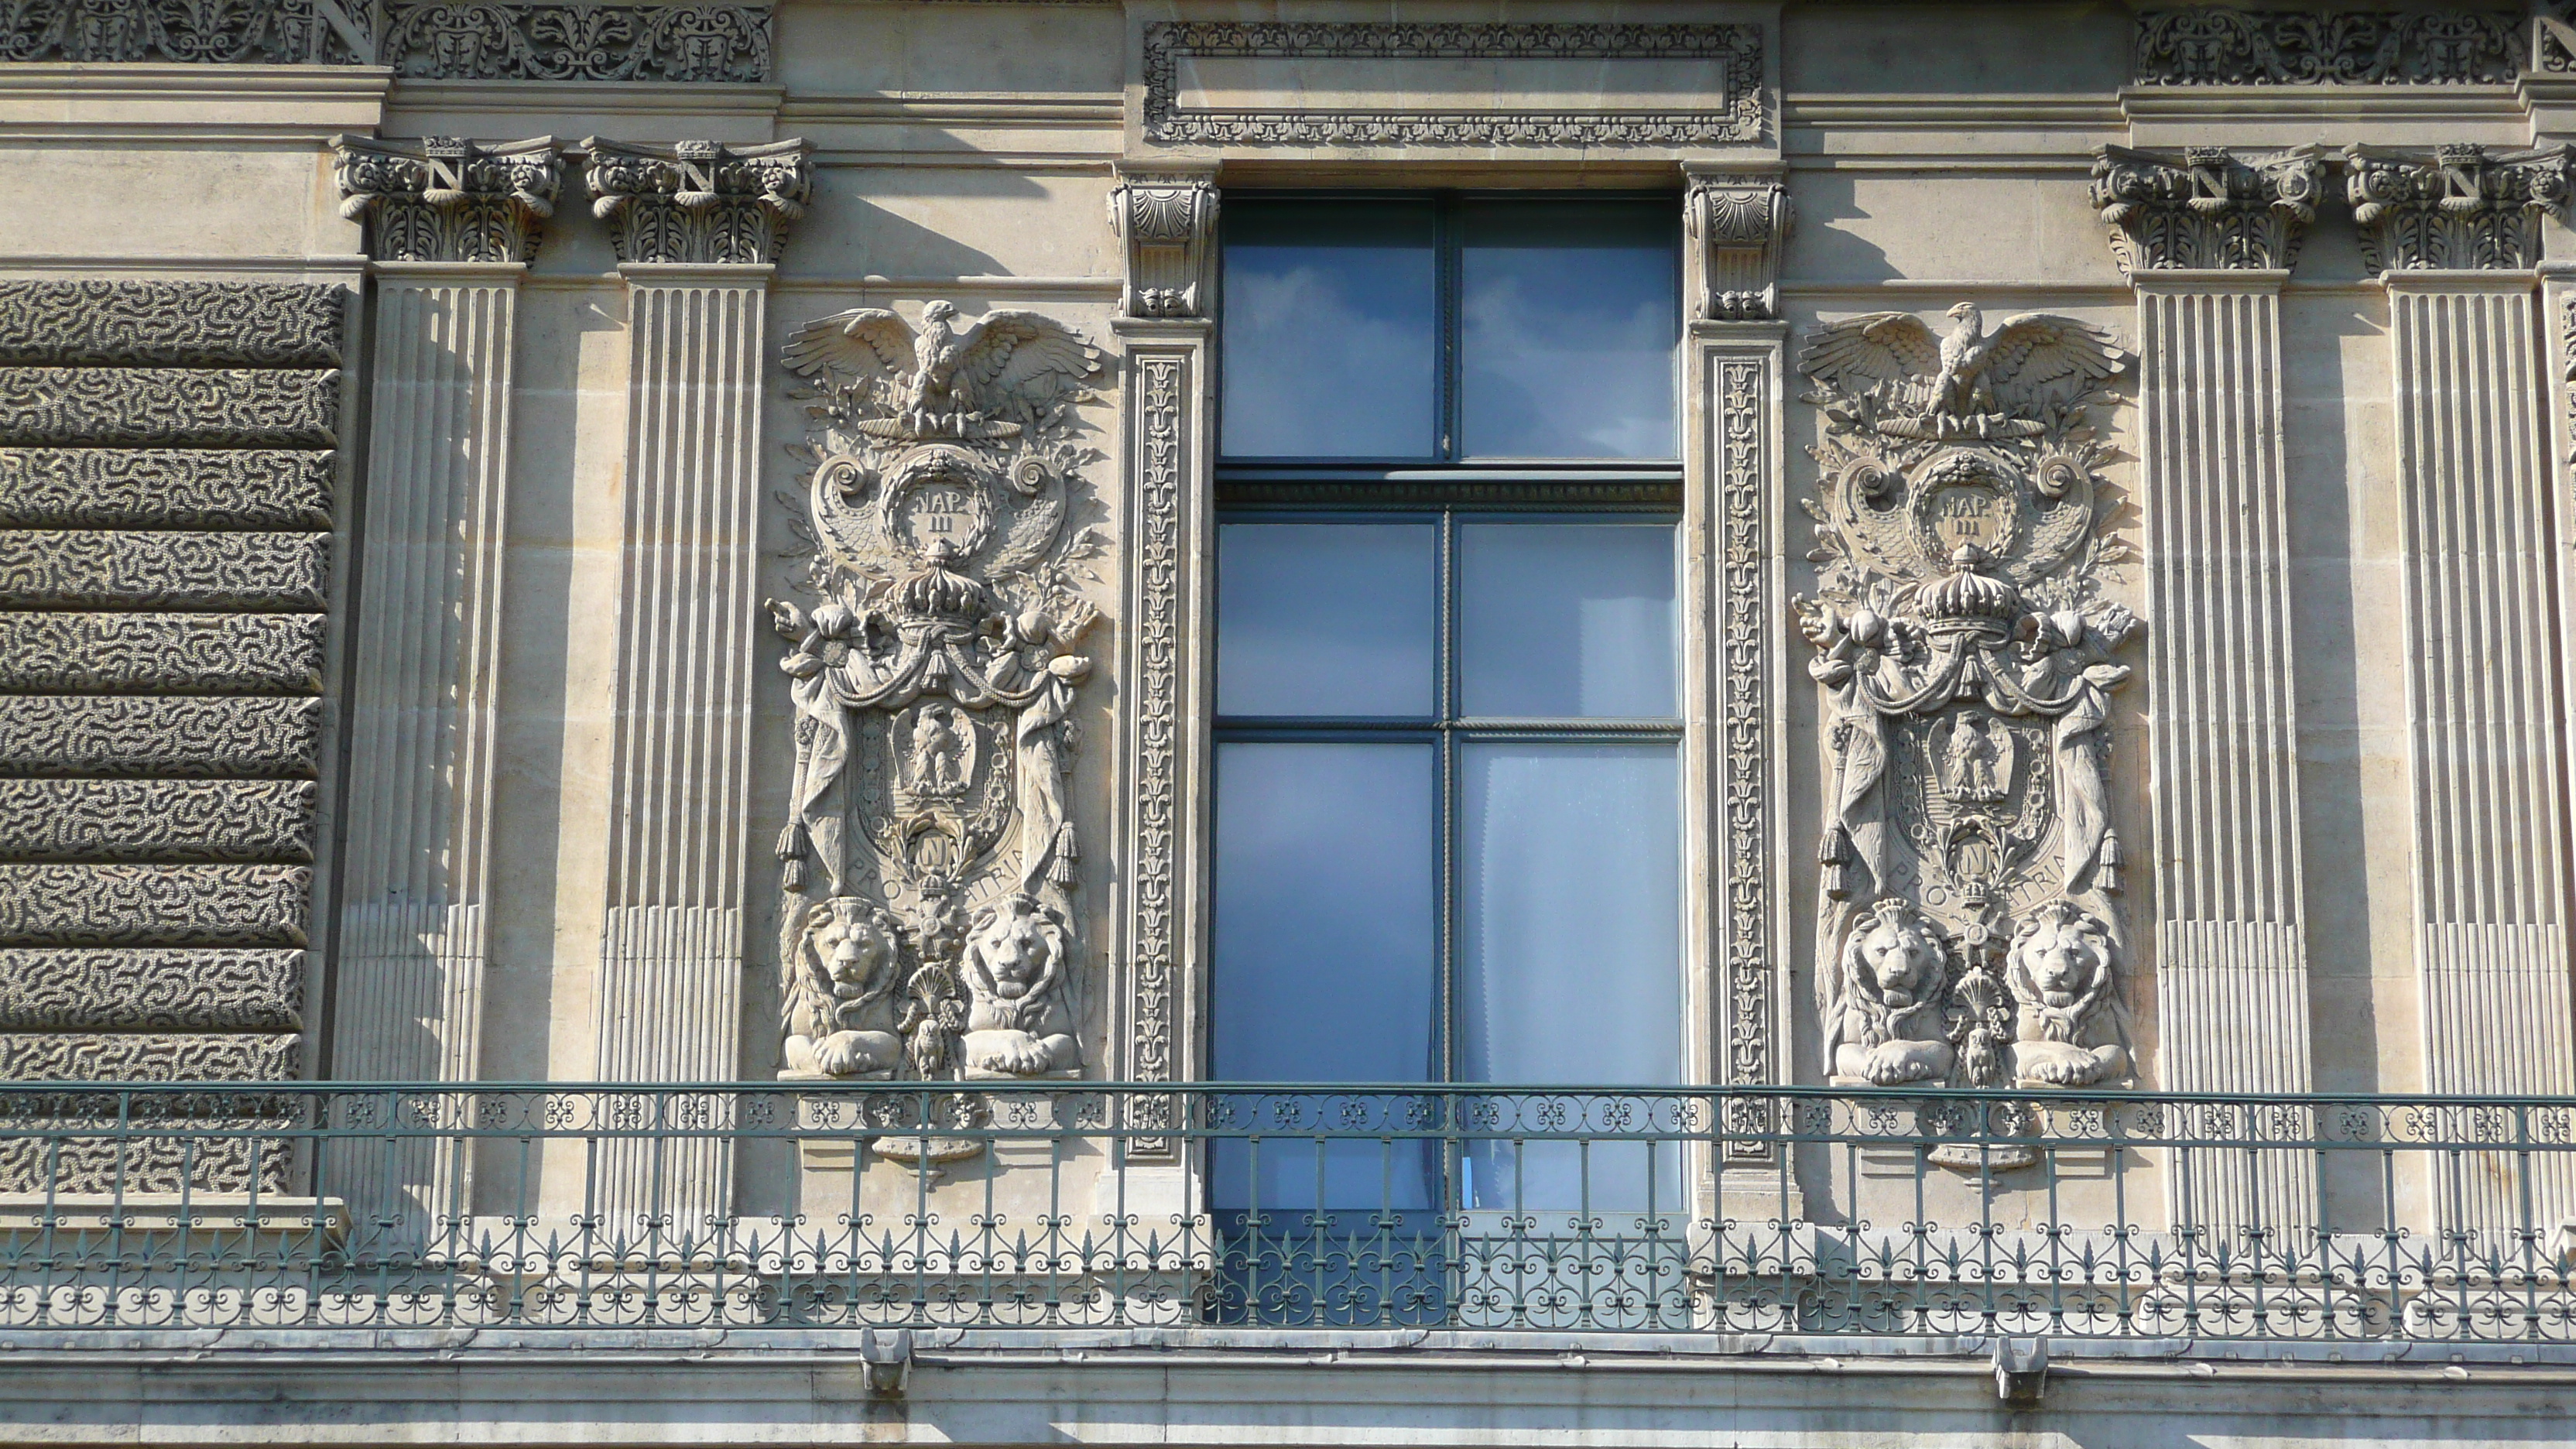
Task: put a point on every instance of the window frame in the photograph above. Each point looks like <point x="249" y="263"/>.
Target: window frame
<point x="1448" y="464"/>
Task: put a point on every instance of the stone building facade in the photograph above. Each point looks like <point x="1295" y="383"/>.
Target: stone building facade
<point x="616" y="625"/>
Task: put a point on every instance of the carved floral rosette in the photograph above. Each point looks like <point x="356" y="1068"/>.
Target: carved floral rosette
<point x="1968" y="933"/>
<point x="929" y="865"/>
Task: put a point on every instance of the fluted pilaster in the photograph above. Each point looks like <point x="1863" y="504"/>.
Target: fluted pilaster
<point x="2490" y="885"/>
<point x="417" y="864"/>
<point x="670" y="965"/>
<point x="2231" y="965"/>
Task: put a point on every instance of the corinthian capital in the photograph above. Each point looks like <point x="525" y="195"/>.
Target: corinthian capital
<point x="1168" y="220"/>
<point x="698" y="201"/>
<point x="1740" y="224"/>
<point x="2461" y="206"/>
<point x="2206" y="207"/>
<point x="441" y="199"/>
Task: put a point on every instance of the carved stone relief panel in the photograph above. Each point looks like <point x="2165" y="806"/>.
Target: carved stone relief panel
<point x="2219" y="45"/>
<point x="1969" y="932"/>
<point x="568" y="40"/>
<point x="164" y="568"/>
<point x="931" y="863"/>
<point x="1246" y="83"/>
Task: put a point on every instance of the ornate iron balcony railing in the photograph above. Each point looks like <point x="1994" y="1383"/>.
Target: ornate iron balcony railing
<point x="826" y="1206"/>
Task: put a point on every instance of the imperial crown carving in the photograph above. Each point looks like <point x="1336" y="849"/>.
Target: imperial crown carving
<point x="699" y="201"/>
<point x="2460" y="207"/>
<point x="1970" y="863"/>
<point x="441" y="199"/>
<point x="2206" y="207"/>
<point x="930" y="865"/>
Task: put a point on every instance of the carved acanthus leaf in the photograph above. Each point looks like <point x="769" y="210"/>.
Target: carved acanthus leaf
<point x="698" y="201"/>
<point x="2206" y="207"/>
<point x="442" y="199"/>
<point x="1169" y="224"/>
<point x="2457" y="207"/>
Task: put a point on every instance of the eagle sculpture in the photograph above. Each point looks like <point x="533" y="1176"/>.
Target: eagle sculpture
<point x="1892" y="357"/>
<point x="948" y="380"/>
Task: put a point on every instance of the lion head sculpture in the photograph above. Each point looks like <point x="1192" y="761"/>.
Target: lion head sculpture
<point x="837" y="1005"/>
<point x="1017" y="953"/>
<point x="2061" y="970"/>
<point x="1885" y="1025"/>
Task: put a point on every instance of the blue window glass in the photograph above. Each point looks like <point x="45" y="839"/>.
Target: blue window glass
<point x="1331" y="343"/>
<point x="1571" y="314"/>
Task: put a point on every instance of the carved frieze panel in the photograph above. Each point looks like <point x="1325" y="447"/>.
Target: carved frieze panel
<point x="178" y="653"/>
<point x="110" y="569"/>
<point x="274" y="32"/>
<point x="1646" y="84"/>
<point x="110" y="989"/>
<point x="176" y="820"/>
<point x="109" y="735"/>
<point x="154" y="905"/>
<point x="1169" y="225"/>
<point x="2206" y="207"/>
<point x="1740" y="226"/>
<point x="698" y="201"/>
<point x="1970" y="864"/>
<point x="2458" y="206"/>
<point x="442" y="199"/>
<point x="168" y="407"/>
<point x="932" y="860"/>
<point x="693" y="41"/>
<point x="2220" y="45"/>
<point x="92" y="323"/>
<point x="165" y="488"/>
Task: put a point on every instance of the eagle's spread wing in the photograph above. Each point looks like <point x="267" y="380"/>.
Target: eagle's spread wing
<point x="1866" y="354"/>
<point x="860" y="343"/>
<point x="2038" y="358"/>
<point x="1014" y="363"/>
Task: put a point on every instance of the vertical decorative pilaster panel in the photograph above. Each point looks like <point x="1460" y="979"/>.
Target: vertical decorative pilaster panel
<point x="417" y="865"/>
<point x="2490" y="864"/>
<point x="1168" y="221"/>
<point x="1738" y="534"/>
<point x="670" y="957"/>
<point x="2457" y="234"/>
<point x="2207" y="239"/>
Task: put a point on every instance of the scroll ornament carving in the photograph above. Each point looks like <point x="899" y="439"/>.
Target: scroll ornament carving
<point x="91" y="323"/>
<point x="2206" y="208"/>
<point x="931" y="861"/>
<point x="1740" y="227"/>
<point x="483" y="40"/>
<point x="698" y="201"/>
<point x="1169" y="225"/>
<point x="1969" y="862"/>
<point x="275" y="32"/>
<point x="2462" y="206"/>
<point x="442" y="199"/>
<point x="2218" y="45"/>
